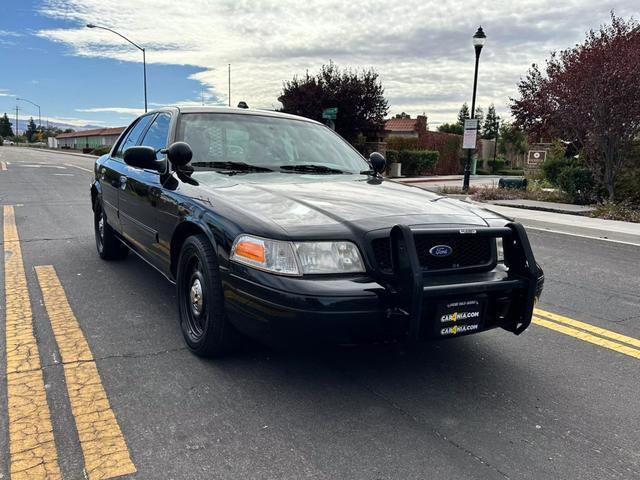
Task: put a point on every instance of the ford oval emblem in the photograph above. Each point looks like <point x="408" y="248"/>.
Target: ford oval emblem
<point x="441" y="251"/>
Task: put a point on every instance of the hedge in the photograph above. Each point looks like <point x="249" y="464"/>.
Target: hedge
<point x="418" y="162"/>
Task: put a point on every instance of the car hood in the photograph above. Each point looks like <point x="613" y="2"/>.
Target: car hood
<point x="304" y="204"/>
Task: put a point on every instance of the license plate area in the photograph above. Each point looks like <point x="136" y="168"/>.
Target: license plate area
<point x="459" y="316"/>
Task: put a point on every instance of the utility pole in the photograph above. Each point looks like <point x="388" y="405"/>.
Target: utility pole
<point x="16" y="121"/>
<point x="229" y="84"/>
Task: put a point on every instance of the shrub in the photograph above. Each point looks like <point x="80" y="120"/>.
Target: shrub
<point x="482" y="171"/>
<point x="402" y="143"/>
<point x="101" y="150"/>
<point x="515" y="171"/>
<point x="391" y="156"/>
<point x="628" y="186"/>
<point x="577" y="182"/>
<point x="418" y="162"/>
<point x="497" y="164"/>
<point x="552" y="167"/>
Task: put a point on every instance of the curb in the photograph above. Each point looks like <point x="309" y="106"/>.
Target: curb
<point x="61" y="152"/>
<point x="540" y="209"/>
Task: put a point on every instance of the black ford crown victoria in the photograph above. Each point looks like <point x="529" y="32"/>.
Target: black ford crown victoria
<point x="273" y="226"/>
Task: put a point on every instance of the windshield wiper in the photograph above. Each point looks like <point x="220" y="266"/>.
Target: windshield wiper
<point x="237" y="166"/>
<point x="310" y="168"/>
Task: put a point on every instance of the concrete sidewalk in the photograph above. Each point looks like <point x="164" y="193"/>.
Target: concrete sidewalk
<point x="610" y="230"/>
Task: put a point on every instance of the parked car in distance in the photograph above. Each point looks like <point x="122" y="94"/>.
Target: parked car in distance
<point x="273" y="226"/>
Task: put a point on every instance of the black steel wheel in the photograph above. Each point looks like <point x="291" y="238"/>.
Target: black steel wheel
<point x="204" y="323"/>
<point x="108" y="244"/>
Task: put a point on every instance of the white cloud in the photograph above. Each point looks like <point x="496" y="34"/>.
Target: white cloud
<point x="421" y="48"/>
<point x="134" y="112"/>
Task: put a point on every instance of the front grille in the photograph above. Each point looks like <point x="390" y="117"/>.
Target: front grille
<point x="466" y="252"/>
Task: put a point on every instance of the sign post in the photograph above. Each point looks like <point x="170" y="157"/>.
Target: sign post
<point x="330" y="114"/>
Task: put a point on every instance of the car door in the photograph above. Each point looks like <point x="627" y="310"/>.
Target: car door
<point x="140" y="194"/>
<point x="112" y="169"/>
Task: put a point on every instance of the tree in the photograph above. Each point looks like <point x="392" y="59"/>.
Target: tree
<point x="480" y="116"/>
<point x="5" y="127"/>
<point x="451" y="128"/>
<point x="491" y="124"/>
<point x="32" y="129"/>
<point x="590" y="95"/>
<point x="403" y="115"/>
<point x="463" y="114"/>
<point x="358" y="95"/>
<point x="513" y="140"/>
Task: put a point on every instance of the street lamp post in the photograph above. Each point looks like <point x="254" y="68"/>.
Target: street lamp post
<point x="36" y="105"/>
<point x="144" y="57"/>
<point x="478" y="42"/>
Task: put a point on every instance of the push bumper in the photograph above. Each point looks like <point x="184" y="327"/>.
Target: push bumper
<point x="403" y="304"/>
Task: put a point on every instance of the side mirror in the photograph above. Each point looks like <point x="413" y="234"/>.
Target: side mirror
<point x="178" y="153"/>
<point x="142" y="157"/>
<point x="378" y="162"/>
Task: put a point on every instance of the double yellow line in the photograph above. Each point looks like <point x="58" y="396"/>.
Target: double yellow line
<point x="32" y="448"/>
<point x="588" y="333"/>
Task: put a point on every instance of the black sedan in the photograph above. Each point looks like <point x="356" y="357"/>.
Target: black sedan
<point x="273" y="226"/>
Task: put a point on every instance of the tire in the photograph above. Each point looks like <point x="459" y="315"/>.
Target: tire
<point x="108" y="244"/>
<point x="203" y="320"/>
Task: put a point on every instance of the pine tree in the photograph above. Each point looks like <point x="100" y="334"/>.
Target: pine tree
<point x="463" y="114"/>
<point x="480" y="116"/>
<point x="32" y="129"/>
<point x="491" y="124"/>
<point x="5" y="127"/>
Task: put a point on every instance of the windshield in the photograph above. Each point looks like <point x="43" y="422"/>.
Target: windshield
<point x="222" y="140"/>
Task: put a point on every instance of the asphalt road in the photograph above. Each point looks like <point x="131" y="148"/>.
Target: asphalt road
<point x="546" y="404"/>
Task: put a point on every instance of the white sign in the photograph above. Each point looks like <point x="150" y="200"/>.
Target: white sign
<point x="470" y="133"/>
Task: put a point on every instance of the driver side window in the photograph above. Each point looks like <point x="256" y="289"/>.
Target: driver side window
<point x="158" y="133"/>
<point x="133" y="136"/>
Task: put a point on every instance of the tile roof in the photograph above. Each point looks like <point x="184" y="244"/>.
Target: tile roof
<point x="93" y="132"/>
<point x="401" y="125"/>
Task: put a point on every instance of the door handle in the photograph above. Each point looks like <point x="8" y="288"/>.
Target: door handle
<point x="123" y="182"/>
<point x="102" y="174"/>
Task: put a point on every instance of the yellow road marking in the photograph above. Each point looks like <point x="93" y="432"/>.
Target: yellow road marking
<point x="105" y="451"/>
<point x="587" y="337"/>
<point x="32" y="448"/>
<point x="3" y="166"/>
<point x="589" y="328"/>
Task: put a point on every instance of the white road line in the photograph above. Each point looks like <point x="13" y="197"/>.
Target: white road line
<point x="64" y="174"/>
<point x="590" y="237"/>
<point x="3" y="166"/>
<point x="44" y="166"/>
<point x="81" y="168"/>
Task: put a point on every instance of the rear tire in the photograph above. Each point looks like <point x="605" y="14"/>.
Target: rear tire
<point x="204" y="323"/>
<point x="108" y="244"/>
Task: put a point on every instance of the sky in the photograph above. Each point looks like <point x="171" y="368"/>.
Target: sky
<point x="421" y="48"/>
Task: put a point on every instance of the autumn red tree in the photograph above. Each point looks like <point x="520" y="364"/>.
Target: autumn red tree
<point x="589" y="95"/>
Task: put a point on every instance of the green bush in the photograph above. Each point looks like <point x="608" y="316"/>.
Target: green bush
<point x="577" y="182"/>
<point x="553" y="166"/>
<point x="391" y="156"/>
<point x="482" y="171"/>
<point x="402" y="143"/>
<point x="101" y="150"/>
<point x="418" y="162"/>
<point x="628" y="186"/>
<point x="497" y="164"/>
<point x="514" y="171"/>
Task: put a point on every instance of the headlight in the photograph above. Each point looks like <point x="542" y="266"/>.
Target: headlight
<point x="271" y="255"/>
<point x="297" y="258"/>
<point x="499" y="249"/>
<point x="329" y="257"/>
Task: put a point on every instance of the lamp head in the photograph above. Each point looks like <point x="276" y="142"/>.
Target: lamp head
<point x="479" y="38"/>
<point x="90" y="25"/>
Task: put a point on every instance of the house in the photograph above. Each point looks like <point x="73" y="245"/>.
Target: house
<point x="406" y="127"/>
<point x="93" y="138"/>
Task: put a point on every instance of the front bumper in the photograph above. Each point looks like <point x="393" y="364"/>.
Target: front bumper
<point x="402" y="304"/>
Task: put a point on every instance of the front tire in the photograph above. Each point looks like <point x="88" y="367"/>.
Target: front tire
<point x="108" y="244"/>
<point x="203" y="320"/>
